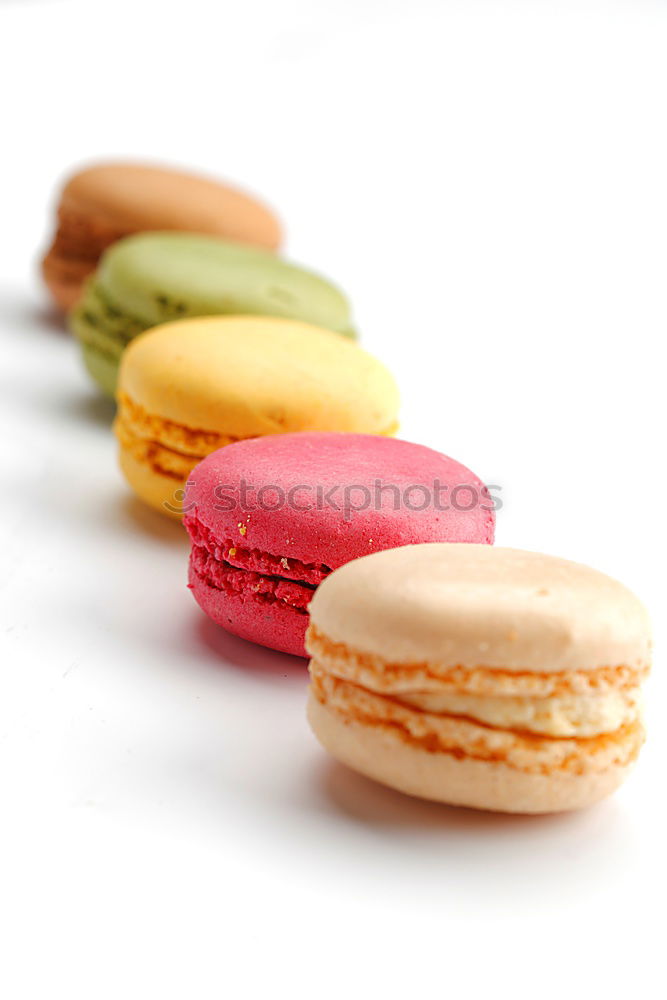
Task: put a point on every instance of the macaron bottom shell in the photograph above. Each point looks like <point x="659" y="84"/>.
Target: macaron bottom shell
<point x="163" y="493"/>
<point x="102" y="339"/>
<point x="261" y="620"/>
<point x="379" y="753"/>
<point x="64" y="277"/>
<point x="102" y="367"/>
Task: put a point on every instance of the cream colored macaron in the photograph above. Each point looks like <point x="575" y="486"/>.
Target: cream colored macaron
<point x="479" y="676"/>
<point x="192" y="386"/>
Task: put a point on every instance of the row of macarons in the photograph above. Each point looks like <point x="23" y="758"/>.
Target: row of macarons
<point x="463" y="673"/>
<point x="242" y="343"/>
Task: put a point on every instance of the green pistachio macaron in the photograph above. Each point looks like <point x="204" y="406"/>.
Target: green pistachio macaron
<point x="152" y="278"/>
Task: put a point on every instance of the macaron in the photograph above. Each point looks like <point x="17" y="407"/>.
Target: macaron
<point x="479" y="676"/>
<point x="105" y="202"/>
<point x="151" y="278"/>
<point x="270" y="518"/>
<point x="190" y="387"/>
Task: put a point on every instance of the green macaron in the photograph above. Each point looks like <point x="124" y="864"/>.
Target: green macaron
<point x="153" y="278"/>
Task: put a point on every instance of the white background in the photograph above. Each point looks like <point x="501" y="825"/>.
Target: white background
<point x="489" y="183"/>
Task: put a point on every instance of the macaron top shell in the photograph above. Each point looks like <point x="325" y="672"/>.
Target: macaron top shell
<point x="152" y="278"/>
<point x="245" y="376"/>
<point x="473" y="605"/>
<point x="326" y="498"/>
<point x="133" y="197"/>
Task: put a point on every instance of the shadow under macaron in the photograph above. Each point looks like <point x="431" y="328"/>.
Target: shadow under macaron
<point x="367" y="801"/>
<point x="140" y="517"/>
<point x="30" y="310"/>
<point x="25" y="312"/>
<point x="50" y="317"/>
<point x="91" y="407"/>
<point x="232" y="651"/>
<point x="371" y="803"/>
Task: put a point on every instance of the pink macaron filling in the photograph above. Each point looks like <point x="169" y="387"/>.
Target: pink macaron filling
<point x="229" y="552"/>
<point x="248" y="573"/>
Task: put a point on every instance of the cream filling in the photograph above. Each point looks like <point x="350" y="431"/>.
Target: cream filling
<point x="463" y="737"/>
<point x="137" y="423"/>
<point x="569" y="715"/>
<point x="581" y="705"/>
<point x="169" y="448"/>
<point x="397" y="679"/>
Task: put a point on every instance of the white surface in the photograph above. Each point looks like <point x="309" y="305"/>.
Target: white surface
<point x="488" y="182"/>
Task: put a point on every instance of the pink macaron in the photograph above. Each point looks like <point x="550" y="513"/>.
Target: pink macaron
<point x="269" y="518"/>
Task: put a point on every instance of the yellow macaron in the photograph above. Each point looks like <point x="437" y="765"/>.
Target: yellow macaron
<point x="479" y="676"/>
<point x="192" y="386"/>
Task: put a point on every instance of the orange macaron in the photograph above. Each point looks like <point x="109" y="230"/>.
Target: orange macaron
<point x="107" y="201"/>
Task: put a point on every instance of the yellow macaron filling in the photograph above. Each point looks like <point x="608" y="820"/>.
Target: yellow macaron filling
<point x="169" y="448"/>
